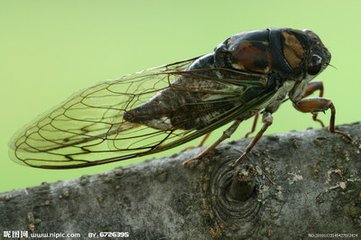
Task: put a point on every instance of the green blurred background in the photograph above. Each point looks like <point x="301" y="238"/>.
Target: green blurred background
<point x="50" y="49"/>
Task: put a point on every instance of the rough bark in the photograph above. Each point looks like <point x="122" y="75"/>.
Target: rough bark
<point x="291" y="185"/>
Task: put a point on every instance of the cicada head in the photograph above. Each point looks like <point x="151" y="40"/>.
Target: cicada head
<point x="305" y="53"/>
<point x="318" y="57"/>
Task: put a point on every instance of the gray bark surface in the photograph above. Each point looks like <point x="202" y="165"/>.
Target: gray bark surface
<point x="291" y="185"/>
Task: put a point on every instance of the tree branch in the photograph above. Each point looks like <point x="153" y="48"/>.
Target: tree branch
<point x="291" y="185"/>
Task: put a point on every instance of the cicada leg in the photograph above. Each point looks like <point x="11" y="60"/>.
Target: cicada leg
<point x="311" y="88"/>
<point x="254" y="125"/>
<point x="204" y="139"/>
<point x="226" y="134"/>
<point x="314" y="105"/>
<point x="267" y="121"/>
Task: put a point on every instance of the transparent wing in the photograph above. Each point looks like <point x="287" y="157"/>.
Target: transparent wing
<point x="88" y="129"/>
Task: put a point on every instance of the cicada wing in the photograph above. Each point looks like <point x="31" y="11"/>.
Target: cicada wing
<point x="79" y="131"/>
<point x="88" y="129"/>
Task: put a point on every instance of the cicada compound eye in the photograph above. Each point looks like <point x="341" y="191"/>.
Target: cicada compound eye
<point x="315" y="65"/>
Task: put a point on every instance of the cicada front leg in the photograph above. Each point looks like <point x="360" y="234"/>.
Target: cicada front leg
<point x="315" y="105"/>
<point x="311" y="88"/>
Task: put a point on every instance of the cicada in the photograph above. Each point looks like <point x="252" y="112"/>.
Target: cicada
<point x="151" y="111"/>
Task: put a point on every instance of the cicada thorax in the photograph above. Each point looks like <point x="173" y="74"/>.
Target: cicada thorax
<point x="248" y="51"/>
<point x="288" y="58"/>
<point x="281" y="51"/>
